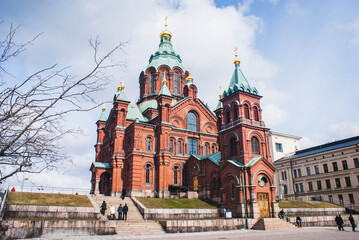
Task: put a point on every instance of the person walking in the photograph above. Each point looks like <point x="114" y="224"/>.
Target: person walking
<point x="123" y="195"/>
<point x="103" y="208"/>
<point x="299" y="221"/>
<point x="281" y="214"/>
<point x="352" y="222"/>
<point x="112" y="213"/>
<point x="125" y="210"/>
<point x="119" y="211"/>
<point x="340" y="222"/>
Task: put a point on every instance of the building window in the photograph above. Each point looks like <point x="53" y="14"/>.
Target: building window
<point x="308" y="171"/>
<point x="348" y="182"/>
<point x="163" y="76"/>
<point x="176" y="82"/>
<point x="192" y="122"/>
<point x="148" y="144"/>
<point x="219" y="183"/>
<point x="148" y="166"/>
<point x="297" y="187"/>
<point x="192" y="146"/>
<point x="246" y="111"/>
<point x="175" y="175"/>
<point x="351" y="198"/>
<point x="319" y="185"/>
<point x="152" y="87"/>
<point x="341" y="201"/>
<point x="285" y="189"/>
<point x="212" y="149"/>
<point x="310" y="186"/>
<point x="345" y="165"/>
<point x="301" y="187"/>
<point x="205" y="150"/>
<point x="179" y="147"/>
<point x="233" y="147"/>
<point x="295" y="173"/>
<point x="316" y="168"/>
<point x="338" y="183"/>
<point x="335" y="166"/>
<point x="330" y="198"/>
<point x="256" y="114"/>
<point x="235" y="112"/>
<point x="228" y="115"/>
<point x="214" y="183"/>
<point x="233" y="191"/>
<point x="356" y="162"/>
<point x="255" y="146"/>
<point x="171" y="146"/>
<point x="325" y="167"/>
<point x="278" y="147"/>
<point x="327" y="182"/>
<point x="284" y="175"/>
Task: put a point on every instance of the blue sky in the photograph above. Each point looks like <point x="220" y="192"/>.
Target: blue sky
<point x="302" y="56"/>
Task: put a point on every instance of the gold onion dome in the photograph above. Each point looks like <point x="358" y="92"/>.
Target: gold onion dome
<point x="166" y="33"/>
<point x="121" y="86"/>
<point x="236" y="60"/>
<point x="189" y="78"/>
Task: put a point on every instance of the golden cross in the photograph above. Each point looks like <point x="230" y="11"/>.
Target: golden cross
<point x="235" y="51"/>
<point x="166" y="21"/>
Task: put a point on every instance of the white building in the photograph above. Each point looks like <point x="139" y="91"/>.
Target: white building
<point x="283" y="145"/>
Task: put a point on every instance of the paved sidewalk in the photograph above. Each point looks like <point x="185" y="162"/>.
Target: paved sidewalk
<point x="308" y="233"/>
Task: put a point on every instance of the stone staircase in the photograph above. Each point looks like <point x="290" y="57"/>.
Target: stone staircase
<point x="272" y="224"/>
<point x="135" y="224"/>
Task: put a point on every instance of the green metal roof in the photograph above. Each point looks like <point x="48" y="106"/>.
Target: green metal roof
<point x="215" y="157"/>
<point x="148" y="104"/>
<point x="133" y="113"/>
<point x="103" y="116"/>
<point x="249" y="164"/>
<point x="239" y="83"/>
<point x="102" y="165"/>
<point x="219" y="105"/>
<point x="120" y="95"/>
<point x="164" y="90"/>
<point x="165" y="55"/>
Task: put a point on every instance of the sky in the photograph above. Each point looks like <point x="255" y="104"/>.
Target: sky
<point x="302" y="56"/>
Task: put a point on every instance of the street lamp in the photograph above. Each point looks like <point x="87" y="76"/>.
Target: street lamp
<point x="22" y="183"/>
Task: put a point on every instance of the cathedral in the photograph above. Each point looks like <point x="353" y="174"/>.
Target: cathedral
<point x="170" y="142"/>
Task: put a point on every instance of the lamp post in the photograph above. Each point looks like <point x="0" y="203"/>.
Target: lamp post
<point x="245" y="197"/>
<point x="22" y="183"/>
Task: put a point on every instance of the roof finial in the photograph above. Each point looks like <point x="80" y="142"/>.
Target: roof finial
<point x="164" y="79"/>
<point x="103" y="108"/>
<point x="189" y="78"/>
<point x="220" y="92"/>
<point x="236" y="60"/>
<point x="166" y="32"/>
<point x="122" y="86"/>
<point x="166" y="22"/>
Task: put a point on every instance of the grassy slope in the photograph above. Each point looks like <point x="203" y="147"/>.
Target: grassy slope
<point x="174" y="203"/>
<point x="48" y="199"/>
<point x="306" y="204"/>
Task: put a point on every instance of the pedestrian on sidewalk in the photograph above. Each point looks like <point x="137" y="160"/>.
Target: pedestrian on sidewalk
<point x="123" y="195"/>
<point x="120" y="211"/>
<point x="125" y="210"/>
<point x="352" y="222"/>
<point x="299" y="221"/>
<point x="103" y="208"/>
<point x="340" y="222"/>
<point x="281" y="214"/>
<point x="112" y="212"/>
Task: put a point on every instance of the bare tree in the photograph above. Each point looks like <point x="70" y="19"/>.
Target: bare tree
<point x="33" y="111"/>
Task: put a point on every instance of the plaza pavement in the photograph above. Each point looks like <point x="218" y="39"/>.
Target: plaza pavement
<point x="307" y="233"/>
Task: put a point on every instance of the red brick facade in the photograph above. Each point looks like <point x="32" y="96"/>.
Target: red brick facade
<point x="171" y="138"/>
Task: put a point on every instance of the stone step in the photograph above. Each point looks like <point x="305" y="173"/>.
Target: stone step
<point x="272" y="224"/>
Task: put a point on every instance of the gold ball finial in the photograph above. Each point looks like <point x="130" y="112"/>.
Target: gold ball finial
<point x="220" y="92"/>
<point x="103" y="108"/>
<point x="189" y="78"/>
<point x="122" y="86"/>
<point x="236" y="60"/>
<point x="166" y="32"/>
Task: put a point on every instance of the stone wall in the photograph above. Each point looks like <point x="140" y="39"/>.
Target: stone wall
<point x="313" y="211"/>
<point x="21" y="229"/>
<point x="32" y="211"/>
<point x="323" y="221"/>
<point x="174" y="226"/>
<point x="174" y="213"/>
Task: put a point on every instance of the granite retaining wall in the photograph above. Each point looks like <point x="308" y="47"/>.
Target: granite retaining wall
<point x="323" y="221"/>
<point x="313" y="211"/>
<point x="174" y="213"/>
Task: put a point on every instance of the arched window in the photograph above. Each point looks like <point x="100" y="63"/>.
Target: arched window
<point x="148" y="166"/>
<point x="171" y="146"/>
<point x="152" y="87"/>
<point x="175" y="175"/>
<point x="148" y="144"/>
<point x="212" y="149"/>
<point x="163" y="75"/>
<point x="214" y="183"/>
<point x="255" y="146"/>
<point x="191" y="122"/>
<point x="176" y="82"/>
<point x="256" y="115"/>
<point x="235" y="112"/>
<point x="192" y="146"/>
<point x="233" y="191"/>
<point x="179" y="149"/>
<point x="246" y="111"/>
<point x="285" y="189"/>
<point x="219" y="183"/>
<point x="205" y="150"/>
<point x="233" y="147"/>
<point x="228" y="115"/>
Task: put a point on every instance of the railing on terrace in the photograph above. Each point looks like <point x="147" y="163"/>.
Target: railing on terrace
<point x="47" y="189"/>
<point x="3" y="202"/>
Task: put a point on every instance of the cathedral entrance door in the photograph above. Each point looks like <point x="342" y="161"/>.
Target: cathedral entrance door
<point x="262" y="199"/>
<point x="195" y="183"/>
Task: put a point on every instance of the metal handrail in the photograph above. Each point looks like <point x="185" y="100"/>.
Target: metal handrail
<point x="3" y="202"/>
